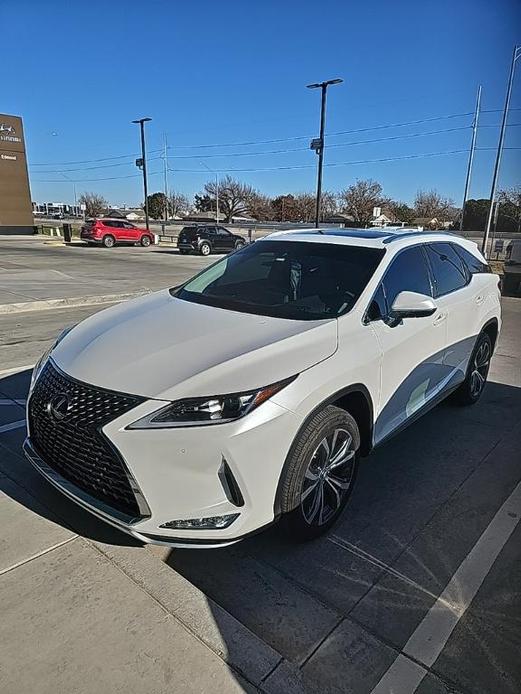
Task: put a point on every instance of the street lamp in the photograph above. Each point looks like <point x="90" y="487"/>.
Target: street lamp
<point x="142" y="122"/>
<point x="318" y="144"/>
<point x="515" y="56"/>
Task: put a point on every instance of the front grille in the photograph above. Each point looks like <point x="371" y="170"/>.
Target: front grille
<point x="74" y="446"/>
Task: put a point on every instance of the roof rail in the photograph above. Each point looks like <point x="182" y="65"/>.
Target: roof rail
<point x="408" y="234"/>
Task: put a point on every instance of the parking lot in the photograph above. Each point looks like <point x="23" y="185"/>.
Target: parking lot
<point x="416" y="589"/>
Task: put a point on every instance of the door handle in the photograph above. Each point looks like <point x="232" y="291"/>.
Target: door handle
<point x="439" y="318"/>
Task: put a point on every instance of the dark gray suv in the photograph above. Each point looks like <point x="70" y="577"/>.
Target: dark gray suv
<point x="206" y="239"/>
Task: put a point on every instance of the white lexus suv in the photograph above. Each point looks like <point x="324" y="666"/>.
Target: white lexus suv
<point x="198" y="415"/>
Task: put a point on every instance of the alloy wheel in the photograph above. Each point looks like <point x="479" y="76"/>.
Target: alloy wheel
<point x="328" y="477"/>
<point x="480" y="367"/>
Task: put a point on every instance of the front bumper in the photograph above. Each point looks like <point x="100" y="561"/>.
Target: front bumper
<point x="177" y="473"/>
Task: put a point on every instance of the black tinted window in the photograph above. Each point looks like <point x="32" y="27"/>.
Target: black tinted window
<point x="291" y="279"/>
<point x="473" y="263"/>
<point x="408" y="273"/>
<point x="447" y="267"/>
<point x="377" y="308"/>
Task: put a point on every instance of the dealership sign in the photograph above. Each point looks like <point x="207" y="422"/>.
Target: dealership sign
<point x="8" y="133"/>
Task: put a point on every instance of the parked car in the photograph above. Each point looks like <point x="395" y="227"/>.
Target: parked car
<point x="207" y="238"/>
<point x="261" y="382"/>
<point x="512" y="268"/>
<point x="109" y="232"/>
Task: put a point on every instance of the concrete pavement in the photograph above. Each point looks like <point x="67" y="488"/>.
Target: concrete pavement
<point x="33" y="270"/>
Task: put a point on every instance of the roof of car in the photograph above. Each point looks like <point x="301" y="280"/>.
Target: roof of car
<point x="375" y="238"/>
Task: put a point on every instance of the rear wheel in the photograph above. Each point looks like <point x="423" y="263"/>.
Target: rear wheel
<point x="472" y="387"/>
<point x="145" y="241"/>
<point x="108" y="241"/>
<point x="204" y="248"/>
<point x="319" y="475"/>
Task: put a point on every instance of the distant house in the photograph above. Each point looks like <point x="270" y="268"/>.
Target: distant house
<point x="426" y="223"/>
<point x="346" y="220"/>
<point x="129" y="213"/>
<point x="382" y="221"/>
<point x="203" y="217"/>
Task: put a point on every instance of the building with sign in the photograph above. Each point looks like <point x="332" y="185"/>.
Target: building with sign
<point x="16" y="215"/>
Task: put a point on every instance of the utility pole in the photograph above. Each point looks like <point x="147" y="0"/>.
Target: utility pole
<point x="318" y="144"/>
<point x="516" y="54"/>
<point x="141" y="122"/>
<point x="471" y="156"/>
<point x="165" y="173"/>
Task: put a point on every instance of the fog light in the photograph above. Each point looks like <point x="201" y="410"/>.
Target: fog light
<point x="210" y="523"/>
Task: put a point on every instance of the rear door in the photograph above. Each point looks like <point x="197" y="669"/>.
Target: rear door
<point x="412" y="368"/>
<point x="464" y="298"/>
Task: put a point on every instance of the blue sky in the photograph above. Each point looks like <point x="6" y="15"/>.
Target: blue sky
<point x="219" y="73"/>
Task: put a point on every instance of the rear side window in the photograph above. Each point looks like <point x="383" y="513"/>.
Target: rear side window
<point x="408" y="272"/>
<point x="475" y="265"/>
<point x="447" y="267"/>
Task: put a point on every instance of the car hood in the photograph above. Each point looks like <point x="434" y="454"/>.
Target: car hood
<point x="162" y="347"/>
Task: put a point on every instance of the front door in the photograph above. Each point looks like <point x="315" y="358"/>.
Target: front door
<point x="412" y="367"/>
<point x="224" y="239"/>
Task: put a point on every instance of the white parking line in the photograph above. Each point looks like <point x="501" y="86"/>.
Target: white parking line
<point x="13" y="425"/>
<point x="430" y="636"/>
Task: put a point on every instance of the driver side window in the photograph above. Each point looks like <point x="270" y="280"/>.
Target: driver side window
<point x="407" y="272"/>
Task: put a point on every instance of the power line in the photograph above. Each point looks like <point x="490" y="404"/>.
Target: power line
<point x="91" y="180"/>
<point x="92" y="168"/>
<point x="92" y="161"/>
<point x="329" y="164"/>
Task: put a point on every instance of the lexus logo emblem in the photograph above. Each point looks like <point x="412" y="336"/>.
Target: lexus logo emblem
<point x="59" y="407"/>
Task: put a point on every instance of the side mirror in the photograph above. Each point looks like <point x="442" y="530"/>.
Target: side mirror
<point x="411" y="305"/>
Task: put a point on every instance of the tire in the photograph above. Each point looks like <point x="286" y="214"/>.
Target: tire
<point x="470" y="391"/>
<point x="108" y="241"/>
<point x="311" y="498"/>
<point x="239" y="244"/>
<point x="205" y="248"/>
<point x="184" y="251"/>
<point x="145" y="241"/>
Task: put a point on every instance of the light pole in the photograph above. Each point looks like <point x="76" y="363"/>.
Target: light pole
<point x="516" y="54"/>
<point x="216" y="190"/>
<point x="142" y="122"/>
<point x="318" y="144"/>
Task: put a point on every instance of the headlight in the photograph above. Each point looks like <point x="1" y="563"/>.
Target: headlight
<point x="43" y="359"/>
<point x="215" y="409"/>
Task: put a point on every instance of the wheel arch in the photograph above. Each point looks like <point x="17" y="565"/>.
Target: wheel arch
<point x="491" y="327"/>
<point x="354" y="399"/>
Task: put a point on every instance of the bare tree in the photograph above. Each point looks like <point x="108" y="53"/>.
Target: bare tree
<point x="510" y="205"/>
<point x="328" y="206"/>
<point x="95" y="204"/>
<point x="234" y="196"/>
<point x="429" y="203"/>
<point x="304" y="204"/>
<point x="178" y="204"/>
<point x="360" y="198"/>
<point x="260" y="207"/>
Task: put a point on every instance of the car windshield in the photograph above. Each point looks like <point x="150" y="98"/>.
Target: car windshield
<point x="286" y="279"/>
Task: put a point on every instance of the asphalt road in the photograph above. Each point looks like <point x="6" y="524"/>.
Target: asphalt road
<point x="417" y="588"/>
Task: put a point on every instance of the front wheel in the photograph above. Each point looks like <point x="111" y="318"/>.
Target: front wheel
<point x="145" y="241"/>
<point x="472" y="387"/>
<point x="239" y="245"/>
<point x="319" y="474"/>
<point x="204" y="248"/>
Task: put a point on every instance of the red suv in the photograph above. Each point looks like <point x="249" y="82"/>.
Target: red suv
<point x="108" y="232"/>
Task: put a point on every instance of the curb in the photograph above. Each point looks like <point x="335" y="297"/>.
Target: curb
<point x="73" y="302"/>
